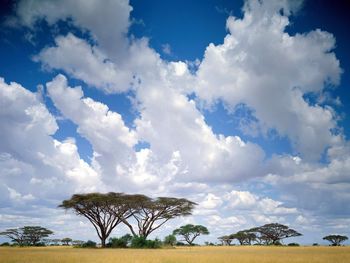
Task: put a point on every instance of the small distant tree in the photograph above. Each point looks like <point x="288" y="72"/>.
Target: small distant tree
<point x="191" y="232"/>
<point x="170" y="240"/>
<point x="335" y="240"/>
<point x="226" y="240"/>
<point x="274" y="233"/>
<point x="65" y="241"/>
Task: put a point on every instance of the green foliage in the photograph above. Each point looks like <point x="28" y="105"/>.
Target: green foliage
<point x="152" y="213"/>
<point x="272" y="234"/>
<point x="89" y="244"/>
<point x="276" y="243"/>
<point x="40" y="244"/>
<point x="170" y="240"/>
<point x="122" y="242"/>
<point x="315" y="244"/>
<point x="65" y="241"/>
<point x="106" y="211"/>
<point x="5" y="244"/>
<point x="27" y="235"/>
<point x="33" y="234"/>
<point x="293" y="245"/>
<point x="189" y="232"/>
<point x="244" y="237"/>
<point x="226" y="240"/>
<point x="142" y="242"/>
<point x="335" y="240"/>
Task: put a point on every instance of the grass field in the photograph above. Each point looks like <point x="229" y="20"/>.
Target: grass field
<point x="178" y="255"/>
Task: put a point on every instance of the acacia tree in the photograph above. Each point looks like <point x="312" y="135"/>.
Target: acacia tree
<point x="33" y="234"/>
<point x="274" y="233"/>
<point x="244" y="237"/>
<point x="190" y="232"/>
<point x="150" y="214"/>
<point x="260" y="239"/>
<point x="65" y="241"/>
<point x="104" y="211"/>
<point x="335" y="240"/>
<point x="226" y="240"/>
<point x="27" y="235"/>
<point x="15" y="234"/>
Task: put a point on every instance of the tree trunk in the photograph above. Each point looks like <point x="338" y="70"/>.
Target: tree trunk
<point x="103" y="241"/>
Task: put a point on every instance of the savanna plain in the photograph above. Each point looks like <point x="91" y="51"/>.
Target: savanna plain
<point x="235" y="254"/>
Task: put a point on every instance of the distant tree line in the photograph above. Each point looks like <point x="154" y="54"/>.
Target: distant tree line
<point x="143" y="215"/>
<point x="27" y="235"/>
<point x="272" y="234"/>
<point x="269" y="234"/>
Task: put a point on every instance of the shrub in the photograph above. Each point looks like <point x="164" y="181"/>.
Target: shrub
<point x="157" y="243"/>
<point x="170" y="240"/>
<point x="89" y="244"/>
<point x="122" y="242"/>
<point x="315" y="244"/>
<point x="277" y="243"/>
<point x="5" y="244"/>
<point x="141" y="242"/>
<point x="293" y="245"/>
<point x="40" y="244"/>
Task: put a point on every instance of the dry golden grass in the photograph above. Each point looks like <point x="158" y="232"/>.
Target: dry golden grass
<point x="179" y="255"/>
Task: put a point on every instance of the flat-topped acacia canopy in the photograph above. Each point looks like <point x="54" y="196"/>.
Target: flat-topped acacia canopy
<point x="106" y="210"/>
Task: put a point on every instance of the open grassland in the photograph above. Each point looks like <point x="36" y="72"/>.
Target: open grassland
<point x="186" y="255"/>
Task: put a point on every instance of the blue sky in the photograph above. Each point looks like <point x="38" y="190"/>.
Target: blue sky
<point x="241" y="106"/>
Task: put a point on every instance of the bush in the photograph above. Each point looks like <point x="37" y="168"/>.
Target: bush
<point x="315" y="244"/>
<point x="141" y="242"/>
<point x="170" y="240"/>
<point x="293" y="245"/>
<point x="122" y="242"/>
<point x="334" y="245"/>
<point x="277" y="243"/>
<point x="5" y="244"/>
<point x="89" y="244"/>
<point x="180" y="244"/>
<point x="40" y="244"/>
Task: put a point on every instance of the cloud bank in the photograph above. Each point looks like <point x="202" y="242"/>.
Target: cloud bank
<point x="259" y="66"/>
